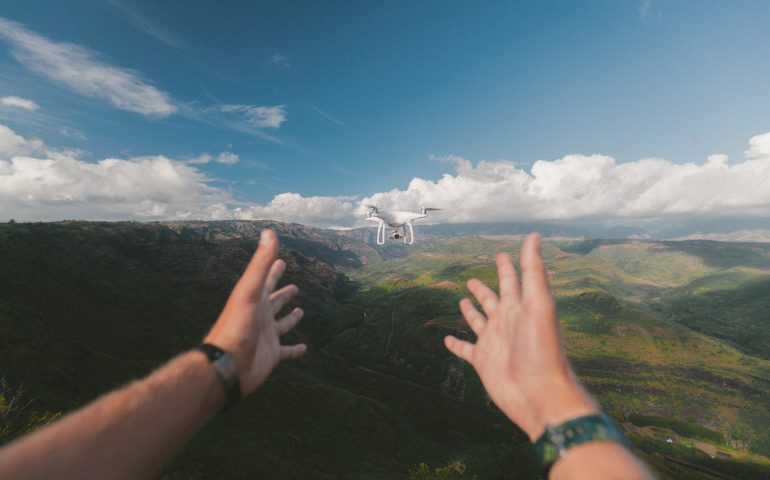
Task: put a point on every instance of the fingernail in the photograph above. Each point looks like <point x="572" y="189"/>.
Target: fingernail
<point x="265" y="237"/>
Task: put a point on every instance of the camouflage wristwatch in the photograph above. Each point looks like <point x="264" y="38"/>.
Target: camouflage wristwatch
<point x="555" y="441"/>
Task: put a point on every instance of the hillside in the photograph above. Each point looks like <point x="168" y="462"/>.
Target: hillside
<point x="620" y="305"/>
<point x="671" y="336"/>
<point x="86" y="307"/>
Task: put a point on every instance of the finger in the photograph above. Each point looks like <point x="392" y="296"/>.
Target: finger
<point x="279" y="299"/>
<point x="287" y="323"/>
<point x="485" y="295"/>
<point x="509" y="284"/>
<point x="533" y="277"/>
<point x="476" y="320"/>
<point x="290" y="352"/>
<point x="253" y="278"/>
<point x="275" y="274"/>
<point x="460" y="348"/>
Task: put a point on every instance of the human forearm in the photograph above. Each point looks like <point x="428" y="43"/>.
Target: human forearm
<point x="599" y="461"/>
<point x="130" y="433"/>
<point x="133" y="432"/>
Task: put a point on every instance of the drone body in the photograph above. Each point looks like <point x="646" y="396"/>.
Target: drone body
<point x="396" y="220"/>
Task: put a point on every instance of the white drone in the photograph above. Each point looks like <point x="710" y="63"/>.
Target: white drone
<point x="396" y="220"/>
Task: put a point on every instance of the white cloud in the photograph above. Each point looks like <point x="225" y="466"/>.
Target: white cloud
<point x="72" y="133"/>
<point x="12" y="144"/>
<point x="79" y="69"/>
<point x="759" y="146"/>
<point x="646" y="11"/>
<point x="41" y="184"/>
<point x="589" y="187"/>
<point x="644" y="8"/>
<point x="201" y="159"/>
<point x="228" y="158"/>
<point x="19" y="102"/>
<point x="280" y="60"/>
<point x="329" y="117"/>
<point x="37" y="183"/>
<point x="145" y="25"/>
<point x="259" y="116"/>
<point x="293" y="207"/>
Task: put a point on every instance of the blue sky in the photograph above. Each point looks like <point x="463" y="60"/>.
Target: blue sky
<point x="354" y="99"/>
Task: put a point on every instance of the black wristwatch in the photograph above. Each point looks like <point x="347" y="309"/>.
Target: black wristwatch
<point x="225" y="368"/>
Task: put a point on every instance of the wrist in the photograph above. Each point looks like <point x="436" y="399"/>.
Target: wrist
<point x="238" y="350"/>
<point x="213" y="395"/>
<point x="561" y="401"/>
<point x="225" y="369"/>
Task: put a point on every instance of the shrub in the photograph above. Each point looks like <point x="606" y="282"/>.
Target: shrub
<point x="453" y="470"/>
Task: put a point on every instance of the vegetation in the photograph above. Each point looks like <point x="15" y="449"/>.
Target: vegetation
<point x="16" y="416"/>
<point x="685" y="429"/>
<point x="88" y="306"/>
<point x="453" y="470"/>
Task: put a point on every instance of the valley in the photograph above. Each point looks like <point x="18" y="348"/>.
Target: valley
<point x="672" y="337"/>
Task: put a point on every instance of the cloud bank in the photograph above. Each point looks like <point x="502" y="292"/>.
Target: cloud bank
<point x="37" y="183"/>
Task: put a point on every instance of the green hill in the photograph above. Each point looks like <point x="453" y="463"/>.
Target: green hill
<point x="670" y="336"/>
<point x="86" y="307"/>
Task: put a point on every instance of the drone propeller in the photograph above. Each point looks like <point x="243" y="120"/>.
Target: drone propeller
<point x="428" y="209"/>
<point x="370" y="210"/>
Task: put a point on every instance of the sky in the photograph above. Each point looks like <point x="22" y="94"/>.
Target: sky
<point x="597" y="111"/>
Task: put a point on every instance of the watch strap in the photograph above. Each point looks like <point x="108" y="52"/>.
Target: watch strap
<point x="556" y="440"/>
<point x="225" y="368"/>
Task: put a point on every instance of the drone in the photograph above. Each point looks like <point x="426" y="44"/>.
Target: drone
<point x="398" y="220"/>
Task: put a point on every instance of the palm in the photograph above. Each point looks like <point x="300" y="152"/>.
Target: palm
<point x="518" y="350"/>
<point x="247" y="327"/>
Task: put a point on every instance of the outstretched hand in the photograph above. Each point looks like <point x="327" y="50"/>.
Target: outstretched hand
<point x="519" y="354"/>
<point x="247" y="329"/>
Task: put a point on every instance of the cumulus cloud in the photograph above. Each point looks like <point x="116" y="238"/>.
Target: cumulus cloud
<point x="759" y="146"/>
<point x="12" y="144"/>
<point x="79" y="69"/>
<point x="336" y="211"/>
<point x="19" y="102"/>
<point x="37" y="183"/>
<point x="590" y="187"/>
<point x="259" y="116"/>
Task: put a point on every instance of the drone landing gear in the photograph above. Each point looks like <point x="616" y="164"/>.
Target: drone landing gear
<point x="381" y="233"/>
<point x="408" y="237"/>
